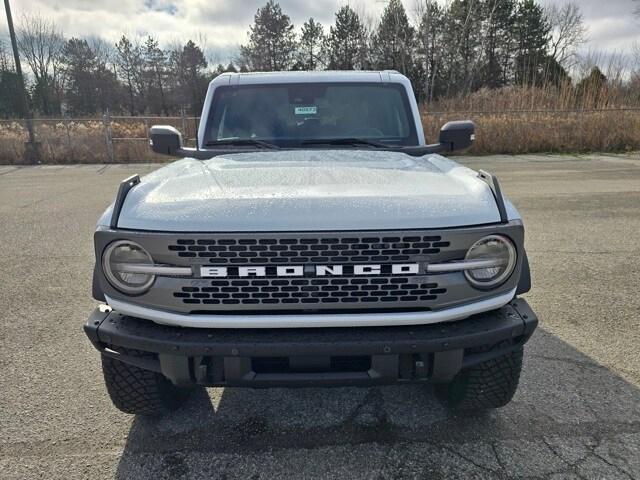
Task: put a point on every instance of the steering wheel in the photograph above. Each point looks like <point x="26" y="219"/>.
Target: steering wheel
<point x="365" y="132"/>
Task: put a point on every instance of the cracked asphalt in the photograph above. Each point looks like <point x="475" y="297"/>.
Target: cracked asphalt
<point x="575" y="416"/>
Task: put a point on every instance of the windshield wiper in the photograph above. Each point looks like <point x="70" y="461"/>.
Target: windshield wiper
<point x="344" y="141"/>
<point x="241" y="142"/>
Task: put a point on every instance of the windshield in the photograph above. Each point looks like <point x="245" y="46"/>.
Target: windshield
<point x="302" y="114"/>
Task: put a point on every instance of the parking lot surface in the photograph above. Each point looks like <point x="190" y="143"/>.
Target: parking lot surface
<point x="576" y="414"/>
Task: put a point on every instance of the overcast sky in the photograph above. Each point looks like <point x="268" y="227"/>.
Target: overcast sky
<point x="224" y="23"/>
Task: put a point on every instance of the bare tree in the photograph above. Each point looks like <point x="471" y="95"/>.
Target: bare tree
<point x="41" y="45"/>
<point x="635" y="56"/>
<point x="5" y="65"/>
<point x="616" y="66"/>
<point x="568" y="32"/>
<point x="104" y="51"/>
<point x="634" y="81"/>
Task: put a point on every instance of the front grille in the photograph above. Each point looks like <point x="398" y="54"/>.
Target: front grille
<point x="336" y="291"/>
<point x="330" y="274"/>
<point x="346" y="291"/>
<point x="299" y="250"/>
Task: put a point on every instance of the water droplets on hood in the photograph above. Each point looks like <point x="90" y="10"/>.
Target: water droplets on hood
<point x="309" y="190"/>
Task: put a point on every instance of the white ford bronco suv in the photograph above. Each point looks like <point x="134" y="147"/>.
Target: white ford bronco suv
<point x="312" y="238"/>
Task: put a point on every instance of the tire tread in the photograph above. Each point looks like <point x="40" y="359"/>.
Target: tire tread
<point x="488" y="385"/>
<point x="137" y="391"/>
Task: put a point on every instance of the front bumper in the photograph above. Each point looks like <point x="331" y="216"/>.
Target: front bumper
<point x="312" y="357"/>
<point x="312" y="320"/>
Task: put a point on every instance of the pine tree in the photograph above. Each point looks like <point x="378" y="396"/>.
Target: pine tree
<point x="79" y="67"/>
<point x="394" y="40"/>
<point x="347" y="41"/>
<point x="4" y="57"/>
<point x="312" y="46"/>
<point x="591" y="89"/>
<point x="10" y="104"/>
<point x="129" y="63"/>
<point x="272" y="41"/>
<point x="498" y="20"/>
<point x="188" y="68"/>
<point x="10" y="94"/>
<point x="90" y="85"/>
<point x="463" y="41"/>
<point x="155" y="69"/>
<point x="532" y="32"/>
<point x="429" y="49"/>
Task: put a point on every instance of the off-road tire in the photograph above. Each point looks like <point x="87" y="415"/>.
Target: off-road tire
<point x="138" y="391"/>
<point x="488" y="385"/>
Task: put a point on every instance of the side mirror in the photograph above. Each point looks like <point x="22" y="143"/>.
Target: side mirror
<point x="165" y="140"/>
<point x="458" y="135"/>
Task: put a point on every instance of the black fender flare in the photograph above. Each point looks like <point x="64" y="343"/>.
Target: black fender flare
<point x="524" y="284"/>
<point x="96" y="289"/>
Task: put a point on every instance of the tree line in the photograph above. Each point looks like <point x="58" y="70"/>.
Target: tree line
<point x="446" y="50"/>
<point x="81" y="77"/>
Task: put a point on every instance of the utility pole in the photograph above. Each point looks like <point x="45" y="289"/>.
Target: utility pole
<point x="32" y="146"/>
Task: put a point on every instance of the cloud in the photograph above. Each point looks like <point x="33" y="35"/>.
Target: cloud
<point x="611" y="24"/>
<point x="161" y="6"/>
<point x="224" y="23"/>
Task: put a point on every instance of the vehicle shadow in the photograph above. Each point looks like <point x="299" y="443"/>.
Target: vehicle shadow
<point x="570" y="415"/>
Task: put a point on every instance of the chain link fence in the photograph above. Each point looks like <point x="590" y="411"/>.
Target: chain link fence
<point x="106" y="139"/>
<point x="120" y="139"/>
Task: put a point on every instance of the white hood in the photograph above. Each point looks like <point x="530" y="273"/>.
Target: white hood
<point x="309" y="190"/>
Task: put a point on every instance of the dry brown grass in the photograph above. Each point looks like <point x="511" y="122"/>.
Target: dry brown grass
<point x="538" y="132"/>
<point x="70" y="141"/>
<point x="564" y="119"/>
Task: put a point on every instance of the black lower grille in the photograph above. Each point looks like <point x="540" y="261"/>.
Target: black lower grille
<point x="359" y="363"/>
<point x="360" y="290"/>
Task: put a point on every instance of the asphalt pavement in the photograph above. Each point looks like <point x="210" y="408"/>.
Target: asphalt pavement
<point x="576" y="414"/>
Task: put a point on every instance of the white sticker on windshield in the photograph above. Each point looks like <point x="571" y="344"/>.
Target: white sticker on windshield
<point x="306" y="110"/>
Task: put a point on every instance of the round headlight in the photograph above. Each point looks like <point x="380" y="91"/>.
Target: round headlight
<point x="121" y="263"/>
<point x="500" y="253"/>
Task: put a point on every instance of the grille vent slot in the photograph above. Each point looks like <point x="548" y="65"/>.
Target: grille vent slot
<point x="351" y="249"/>
<point x="302" y="291"/>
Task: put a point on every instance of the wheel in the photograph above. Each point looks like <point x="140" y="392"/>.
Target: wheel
<point x="138" y="391"/>
<point x="490" y="384"/>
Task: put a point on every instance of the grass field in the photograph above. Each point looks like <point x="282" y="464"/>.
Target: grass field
<point x="546" y="131"/>
<point x="88" y="140"/>
<point x="123" y="140"/>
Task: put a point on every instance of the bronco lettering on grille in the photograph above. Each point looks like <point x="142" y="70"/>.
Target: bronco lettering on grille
<point x="312" y="270"/>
